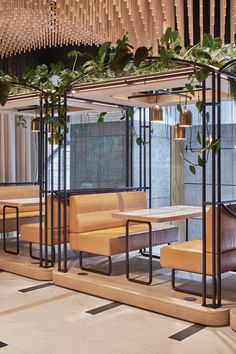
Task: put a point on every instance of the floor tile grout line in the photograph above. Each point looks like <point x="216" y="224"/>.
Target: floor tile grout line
<point x="104" y="308"/>
<point x="187" y="332"/>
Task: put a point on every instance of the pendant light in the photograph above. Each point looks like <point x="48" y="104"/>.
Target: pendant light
<point x="179" y="132"/>
<point x="35" y="125"/>
<point x="156" y="113"/>
<point x="185" y="118"/>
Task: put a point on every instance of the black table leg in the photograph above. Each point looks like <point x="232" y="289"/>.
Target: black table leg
<point x="17" y="230"/>
<point x="150" y="252"/>
<point x="186" y="229"/>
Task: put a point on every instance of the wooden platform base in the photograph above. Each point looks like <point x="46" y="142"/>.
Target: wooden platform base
<point x="159" y="297"/>
<point x="23" y="265"/>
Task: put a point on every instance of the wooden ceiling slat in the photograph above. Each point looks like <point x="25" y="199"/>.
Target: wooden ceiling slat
<point x="31" y="24"/>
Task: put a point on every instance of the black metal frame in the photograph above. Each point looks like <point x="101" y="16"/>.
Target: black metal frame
<point x="134" y="280"/>
<point x="215" y="105"/>
<point x="17" y="230"/>
<point x="93" y="270"/>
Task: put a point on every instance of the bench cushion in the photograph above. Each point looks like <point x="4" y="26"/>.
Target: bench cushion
<point x="30" y="233"/>
<point x="187" y="256"/>
<point x="93" y="212"/>
<point x="111" y="241"/>
<point x="25" y="217"/>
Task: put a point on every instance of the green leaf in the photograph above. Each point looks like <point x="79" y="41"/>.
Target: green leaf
<point x="198" y="137"/>
<point x="130" y="112"/>
<point x="192" y="169"/>
<point x="139" y="141"/>
<point x="217" y="146"/>
<point x="200" y="106"/>
<point x="190" y="89"/>
<point x="200" y="161"/>
<point x="141" y="55"/>
<point x="101" y="117"/>
<point x="103" y="51"/>
<point x="201" y="74"/>
<point x="179" y="108"/>
<point x="4" y="92"/>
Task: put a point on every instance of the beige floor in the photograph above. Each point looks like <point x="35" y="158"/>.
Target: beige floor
<point x="53" y="320"/>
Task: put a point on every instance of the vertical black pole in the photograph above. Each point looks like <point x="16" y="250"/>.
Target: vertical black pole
<point x="219" y="190"/>
<point x="52" y="193"/>
<point x="46" y="183"/>
<point x="204" y="195"/>
<point x="65" y="183"/>
<point x="59" y="192"/>
<point x="127" y="149"/>
<point x="213" y="191"/>
<point x="150" y="162"/>
<point x="41" y="181"/>
<point x="131" y="151"/>
<point x="140" y="150"/>
<point x="144" y="150"/>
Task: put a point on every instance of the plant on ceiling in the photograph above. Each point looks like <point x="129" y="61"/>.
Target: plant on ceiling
<point x="111" y="61"/>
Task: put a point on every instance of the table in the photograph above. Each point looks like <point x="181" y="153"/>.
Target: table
<point x="148" y="216"/>
<point x="15" y="204"/>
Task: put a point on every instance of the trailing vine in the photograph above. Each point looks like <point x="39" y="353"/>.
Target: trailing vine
<point x="111" y="61"/>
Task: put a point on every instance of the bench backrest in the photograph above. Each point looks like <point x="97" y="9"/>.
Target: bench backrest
<point x="228" y="230"/>
<point x="19" y="192"/>
<point x="92" y="212"/>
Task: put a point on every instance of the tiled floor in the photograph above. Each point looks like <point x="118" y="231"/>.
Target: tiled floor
<point x="52" y="320"/>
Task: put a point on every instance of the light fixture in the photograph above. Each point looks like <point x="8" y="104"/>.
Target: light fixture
<point x="156" y="113"/>
<point x="179" y="132"/>
<point x="185" y="118"/>
<point x="35" y="125"/>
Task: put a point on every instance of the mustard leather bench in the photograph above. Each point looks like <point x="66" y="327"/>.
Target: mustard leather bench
<point x="187" y="256"/>
<point x="31" y="232"/>
<point x="92" y="229"/>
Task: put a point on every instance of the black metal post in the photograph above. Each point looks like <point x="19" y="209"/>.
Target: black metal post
<point x="65" y="184"/>
<point x="140" y="150"/>
<point x="58" y="194"/>
<point x="144" y="150"/>
<point x="150" y="162"/>
<point x="213" y="191"/>
<point x="41" y="181"/>
<point x="52" y="193"/>
<point x="127" y="149"/>
<point x="204" y="195"/>
<point x="219" y="191"/>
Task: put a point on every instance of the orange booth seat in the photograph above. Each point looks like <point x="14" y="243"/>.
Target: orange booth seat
<point x="187" y="256"/>
<point x="92" y="228"/>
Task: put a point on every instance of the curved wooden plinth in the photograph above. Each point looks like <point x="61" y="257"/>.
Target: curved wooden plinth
<point x="159" y="297"/>
<point x="25" y="266"/>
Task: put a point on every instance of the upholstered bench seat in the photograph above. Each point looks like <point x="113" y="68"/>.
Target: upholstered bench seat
<point x="24" y="218"/>
<point x="109" y="242"/>
<point x="31" y="233"/>
<point x="187" y="256"/>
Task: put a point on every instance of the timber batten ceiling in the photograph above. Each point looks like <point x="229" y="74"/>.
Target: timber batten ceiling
<point x="29" y="24"/>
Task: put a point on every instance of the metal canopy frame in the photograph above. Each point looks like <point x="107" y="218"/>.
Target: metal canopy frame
<point x="62" y="194"/>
